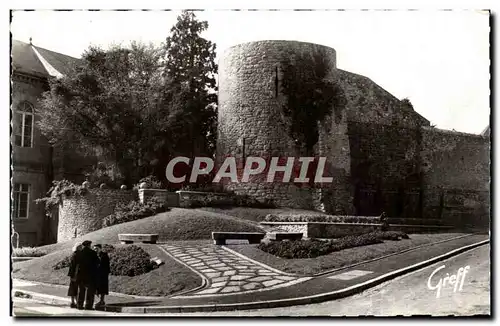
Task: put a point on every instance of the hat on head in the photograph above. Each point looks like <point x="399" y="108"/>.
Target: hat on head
<point x="86" y="243"/>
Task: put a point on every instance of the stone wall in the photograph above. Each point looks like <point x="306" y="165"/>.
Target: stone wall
<point x="367" y="102"/>
<point x="456" y="175"/>
<point x="79" y="215"/>
<point x="385" y="168"/>
<point x="252" y="122"/>
<point x="171" y="199"/>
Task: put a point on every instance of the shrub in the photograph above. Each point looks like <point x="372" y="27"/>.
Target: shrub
<point x="28" y="252"/>
<point x="391" y="235"/>
<point x="67" y="260"/>
<point x="322" y="218"/>
<point x="152" y="182"/>
<point x="130" y="261"/>
<point x="103" y="173"/>
<point x="134" y="210"/>
<point x="63" y="263"/>
<point x="314" y="248"/>
<point x="247" y="201"/>
<point x="217" y="188"/>
<point x="57" y="190"/>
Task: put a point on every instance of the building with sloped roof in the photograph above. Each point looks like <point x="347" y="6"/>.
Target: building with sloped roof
<point x="486" y="132"/>
<point x="35" y="163"/>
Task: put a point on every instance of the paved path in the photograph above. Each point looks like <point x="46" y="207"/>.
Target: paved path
<point x="213" y="262"/>
<point x="227" y="272"/>
<point x="407" y="295"/>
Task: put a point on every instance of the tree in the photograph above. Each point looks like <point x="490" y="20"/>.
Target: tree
<point x="137" y="107"/>
<point x="190" y="72"/>
<point x="112" y="106"/>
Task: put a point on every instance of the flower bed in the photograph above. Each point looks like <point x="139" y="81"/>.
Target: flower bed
<point x="322" y="218"/>
<point x="323" y="230"/>
<point x="129" y="260"/>
<point x="28" y="252"/>
<point x="135" y="210"/>
<point x="194" y="199"/>
<point x="314" y="248"/>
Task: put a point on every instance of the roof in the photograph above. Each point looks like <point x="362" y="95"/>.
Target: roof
<point x="40" y="62"/>
<point x="486" y="131"/>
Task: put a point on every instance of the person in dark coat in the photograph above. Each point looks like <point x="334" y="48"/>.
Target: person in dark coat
<point x="102" y="288"/>
<point x="73" y="285"/>
<point x="86" y="276"/>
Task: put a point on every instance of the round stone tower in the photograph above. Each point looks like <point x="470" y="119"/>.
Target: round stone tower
<point x="254" y="116"/>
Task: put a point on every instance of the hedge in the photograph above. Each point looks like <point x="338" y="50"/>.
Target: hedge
<point x="314" y="248"/>
<point x="135" y="210"/>
<point x="322" y="218"/>
<point x="28" y="252"/>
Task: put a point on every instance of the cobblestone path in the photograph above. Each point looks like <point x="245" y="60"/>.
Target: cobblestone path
<point x="228" y="273"/>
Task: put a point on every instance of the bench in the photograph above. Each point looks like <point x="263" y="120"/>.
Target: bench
<point x="252" y="237"/>
<point x="280" y="236"/>
<point x="131" y="238"/>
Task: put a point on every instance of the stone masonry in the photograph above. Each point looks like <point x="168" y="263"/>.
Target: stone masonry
<point x="80" y="215"/>
<point x="382" y="154"/>
<point x="251" y="120"/>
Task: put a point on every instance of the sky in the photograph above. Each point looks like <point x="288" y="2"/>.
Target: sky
<point x="437" y="59"/>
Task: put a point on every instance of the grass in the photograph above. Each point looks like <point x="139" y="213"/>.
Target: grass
<point x="169" y="278"/>
<point x="257" y="214"/>
<point x="346" y="257"/>
<point x="174" y="225"/>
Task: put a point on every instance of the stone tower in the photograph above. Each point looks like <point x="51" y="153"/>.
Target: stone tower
<point x="262" y="87"/>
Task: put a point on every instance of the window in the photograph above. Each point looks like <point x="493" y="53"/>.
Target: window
<point x="21" y="200"/>
<point x="23" y="135"/>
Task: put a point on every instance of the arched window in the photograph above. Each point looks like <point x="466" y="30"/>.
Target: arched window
<point x="24" y="125"/>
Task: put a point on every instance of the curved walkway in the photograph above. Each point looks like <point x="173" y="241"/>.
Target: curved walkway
<point x="227" y="272"/>
<point x="228" y="276"/>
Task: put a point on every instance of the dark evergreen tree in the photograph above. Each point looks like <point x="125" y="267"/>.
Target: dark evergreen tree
<point x="190" y="76"/>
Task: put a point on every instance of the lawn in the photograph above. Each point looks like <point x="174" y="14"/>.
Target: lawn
<point x="346" y="257"/>
<point x="169" y="278"/>
<point x="257" y="214"/>
<point x="176" y="224"/>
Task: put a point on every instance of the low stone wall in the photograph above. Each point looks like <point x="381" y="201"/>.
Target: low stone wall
<point x="329" y="230"/>
<point x="171" y="199"/>
<point x="79" y="215"/>
<point x="192" y="199"/>
<point x="323" y="230"/>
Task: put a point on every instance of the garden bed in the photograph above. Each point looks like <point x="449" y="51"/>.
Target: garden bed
<point x="28" y="252"/>
<point x="322" y="218"/>
<point x="313" y="248"/>
<point x="323" y="229"/>
<point x="341" y="258"/>
<point x="167" y="279"/>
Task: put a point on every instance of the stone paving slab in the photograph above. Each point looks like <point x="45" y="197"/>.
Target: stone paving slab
<point x="227" y="272"/>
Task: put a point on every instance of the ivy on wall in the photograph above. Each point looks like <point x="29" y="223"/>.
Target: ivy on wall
<point x="55" y="193"/>
<point x="311" y="97"/>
